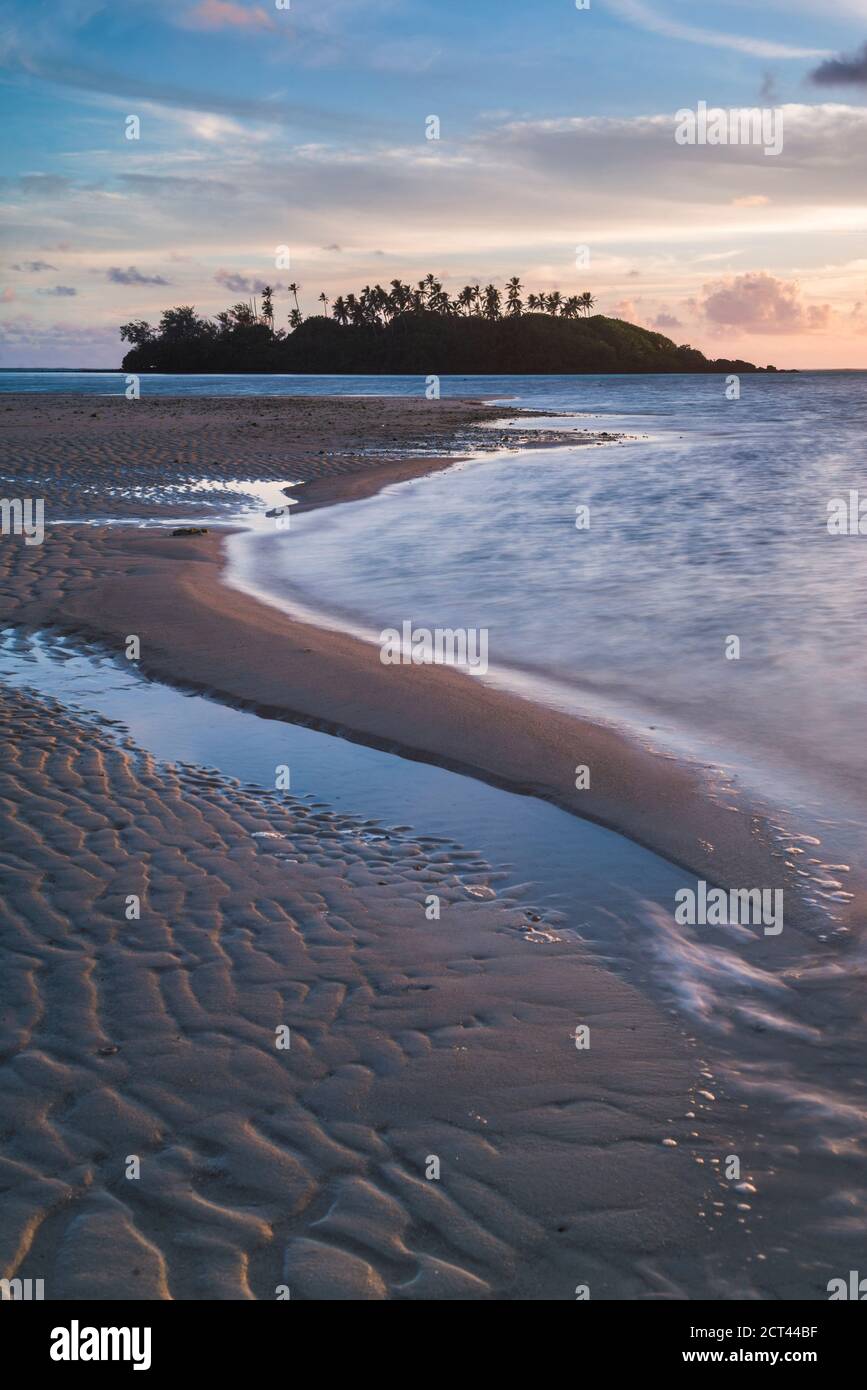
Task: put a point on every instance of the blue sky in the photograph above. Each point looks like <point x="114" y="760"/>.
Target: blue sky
<point x="306" y="127"/>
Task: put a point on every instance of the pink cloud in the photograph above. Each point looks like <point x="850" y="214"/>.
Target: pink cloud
<point x="224" y="14"/>
<point x="759" y="303"/>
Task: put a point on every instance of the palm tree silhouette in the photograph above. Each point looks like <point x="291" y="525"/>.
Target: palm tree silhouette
<point x="513" y="295"/>
<point x="268" y="306"/>
<point x="376" y="306"/>
<point x="492" y="302"/>
<point x="400" y="298"/>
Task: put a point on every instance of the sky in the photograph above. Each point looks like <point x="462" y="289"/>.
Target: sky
<point x="304" y="124"/>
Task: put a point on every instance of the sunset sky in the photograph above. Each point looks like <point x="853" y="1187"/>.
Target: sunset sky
<point x="305" y="127"/>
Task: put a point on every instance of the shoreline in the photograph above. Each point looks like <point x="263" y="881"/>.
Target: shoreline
<point x="199" y="633"/>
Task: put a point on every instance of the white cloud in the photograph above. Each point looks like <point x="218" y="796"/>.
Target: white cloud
<point x="637" y="12"/>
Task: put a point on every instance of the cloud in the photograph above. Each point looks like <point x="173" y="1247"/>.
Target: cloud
<point x="647" y="204"/>
<point x="7" y="296"/>
<point x="664" y="321"/>
<point x="641" y="14"/>
<point x="59" y="292"/>
<point x="168" y="185"/>
<point x="755" y="200"/>
<point x="841" y="72"/>
<point x="60" y="71"/>
<point x="24" y="342"/>
<point x="222" y="14"/>
<point x="38" y="185"/>
<point x="132" y="276"/>
<point x="239" y="284"/>
<point x="760" y="303"/>
<point x="34" y="266"/>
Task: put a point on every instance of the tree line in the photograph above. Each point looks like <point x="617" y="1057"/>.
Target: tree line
<point x="373" y="306"/>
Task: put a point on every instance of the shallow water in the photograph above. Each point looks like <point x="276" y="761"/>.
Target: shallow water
<point x="709" y="524"/>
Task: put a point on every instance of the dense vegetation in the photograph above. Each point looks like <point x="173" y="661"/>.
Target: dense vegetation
<point x="419" y="331"/>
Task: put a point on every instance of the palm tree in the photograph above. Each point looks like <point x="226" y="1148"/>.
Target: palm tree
<point x="492" y="302"/>
<point x="381" y="301"/>
<point x="376" y="306"/>
<point x="439" y="301"/>
<point x="513" y="295"/>
<point x="400" y="298"/>
<point x="368" y="304"/>
<point x="268" y="306"/>
<point x="355" y="309"/>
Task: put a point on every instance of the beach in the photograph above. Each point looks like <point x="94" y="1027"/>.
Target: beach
<point x="106" y="583"/>
<point x="309" y="1168"/>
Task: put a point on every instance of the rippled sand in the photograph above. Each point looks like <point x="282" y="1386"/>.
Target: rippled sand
<point x="410" y="1040"/>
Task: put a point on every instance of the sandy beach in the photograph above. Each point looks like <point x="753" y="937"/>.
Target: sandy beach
<point x="411" y="1040"/>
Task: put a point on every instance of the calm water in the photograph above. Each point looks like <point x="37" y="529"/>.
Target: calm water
<point x="710" y="523"/>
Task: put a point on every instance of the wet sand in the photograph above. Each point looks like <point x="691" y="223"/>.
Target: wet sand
<point x="410" y="1040"/>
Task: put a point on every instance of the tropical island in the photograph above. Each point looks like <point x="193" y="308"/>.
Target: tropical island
<point x="415" y="331"/>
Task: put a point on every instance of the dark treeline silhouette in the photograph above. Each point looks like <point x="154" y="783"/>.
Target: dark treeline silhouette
<point x="419" y="330"/>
